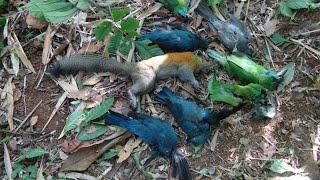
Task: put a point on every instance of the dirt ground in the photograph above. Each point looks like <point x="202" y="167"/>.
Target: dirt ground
<point x="244" y="146"/>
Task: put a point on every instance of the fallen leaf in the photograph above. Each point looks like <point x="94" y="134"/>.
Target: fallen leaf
<point x="84" y="157"/>
<point x="35" y="22"/>
<point x="10" y="101"/>
<point x="213" y="143"/>
<point x="47" y="45"/>
<point x="91" y="48"/>
<point x="12" y="144"/>
<point x="270" y="27"/>
<point x="7" y="162"/>
<point x="15" y="43"/>
<point x="33" y="120"/>
<point x="75" y="175"/>
<point x="94" y="79"/>
<point x="16" y="95"/>
<point x="15" y="63"/>
<point x="69" y="146"/>
<point x="150" y="11"/>
<point x="127" y="150"/>
<point x="280" y="166"/>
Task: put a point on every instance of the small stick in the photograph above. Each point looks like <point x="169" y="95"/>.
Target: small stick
<point x="26" y="118"/>
<point x="269" y="52"/>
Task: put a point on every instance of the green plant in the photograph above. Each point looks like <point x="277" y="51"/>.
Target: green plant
<point x="124" y="31"/>
<point x="56" y="11"/>
<point x="286" y="7"/>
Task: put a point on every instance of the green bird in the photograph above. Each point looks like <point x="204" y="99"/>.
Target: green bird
<point x="248" y="71"/>
<point x="179" y="7"/>
<point x="234" y="94"/>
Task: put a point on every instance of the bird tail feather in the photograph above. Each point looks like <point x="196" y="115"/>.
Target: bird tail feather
<point x="180" y="166"/>
<point x="164" y="95"/>
<point x="113" y="118"/>
<point x="226" y="113"/>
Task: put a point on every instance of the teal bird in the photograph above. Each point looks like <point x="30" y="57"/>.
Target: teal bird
<point x="179" y="7"/>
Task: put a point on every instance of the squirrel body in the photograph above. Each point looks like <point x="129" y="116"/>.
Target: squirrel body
<point x="144" y="74"/>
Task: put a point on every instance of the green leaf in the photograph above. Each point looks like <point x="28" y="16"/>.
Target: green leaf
<point x="99" y="110"/>
<point x="207" y="171"/>
<point x="32" y="153"/>
<point x="125" y="46"/>
<point x="115" y="41"/>
<point x="119" y="13"/>
<point x="280" y="166"/>
<point x="83" y="5"/>
<point x="215" y="2"/>
<point x="129" y="25"/>
<point x="147" y="50"/>
<point x="298" y="4"/>
<point x="285" y="10"/>
<point x="92" y="131"/>
<point x="54" y="11"/>
<point x="108" y="155"/>
<point x="60" y="16"/>
<point x="74" y="120"/>
<point x="2" y="21"/>
<point x="3" y="3"/>
<point x="32" y="171"/>
<point x="17" y="169"/>
<point x="277" y="38"/>
<point x="102" y="30"/>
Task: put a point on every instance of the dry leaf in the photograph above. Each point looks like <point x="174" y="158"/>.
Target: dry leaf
<point x="70" y="146"/>
<point x="15" y="43"/>
<point x="94" y="79"/>
<point x="83" y="94"/>
<point x="150" y="11"/>
<point x="84" y="157"/>
<point x="213" y="143"/>
<point x="35" y="22"/>
<point x="12" y="144"/>
<point x="127" y="150"/>
<point x="75" y="175"/>
<point x="47" y="46"/>
<point x="69" y="88"/>
<point x="15" y="63"/>
<point x="91" y="48"/>
<point x="270" y="27"/>
<point x="7" y="162"/>
<point x="10" y="105"/>
<point x="94" y="101"/>
<point x="16" y="95"/>
<point x="33" y="120"/>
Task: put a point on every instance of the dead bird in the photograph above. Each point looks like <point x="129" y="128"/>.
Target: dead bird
<point x="176" y="40"/>
<point x="233" y="34"/>
<point x="144" y="74"/>
<point x="157" y="133"/>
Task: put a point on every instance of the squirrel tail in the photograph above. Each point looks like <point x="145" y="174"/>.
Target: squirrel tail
<point x="89" y="63"/>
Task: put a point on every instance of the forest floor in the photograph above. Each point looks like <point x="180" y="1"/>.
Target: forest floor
<point x="242" y="146"/>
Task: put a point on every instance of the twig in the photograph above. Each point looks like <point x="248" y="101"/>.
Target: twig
<point x="26" y="118"/>
<point x="269" y="53"/>
<point x="59" y="103"/>
<point x="316" y="52"/>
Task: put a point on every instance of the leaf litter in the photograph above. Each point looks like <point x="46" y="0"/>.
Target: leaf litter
<point x="224" y="163"/>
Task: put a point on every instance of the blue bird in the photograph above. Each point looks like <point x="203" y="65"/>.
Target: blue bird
<point x="193" y="120"/>
<point x="157" y="133"/>
<point x="233" y="34"/>
<point x="176" y="40"/>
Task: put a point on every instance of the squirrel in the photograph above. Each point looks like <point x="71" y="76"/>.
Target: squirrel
<point x="144" y="73"/>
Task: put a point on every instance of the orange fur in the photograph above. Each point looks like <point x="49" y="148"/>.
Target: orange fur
<point x="185" y="58"/>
